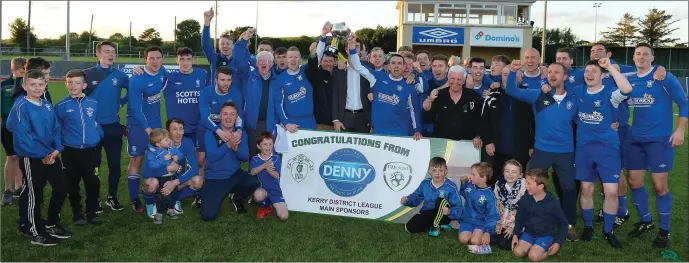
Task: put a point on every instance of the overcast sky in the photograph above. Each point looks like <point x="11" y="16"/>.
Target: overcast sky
<point x="295" y="18"/>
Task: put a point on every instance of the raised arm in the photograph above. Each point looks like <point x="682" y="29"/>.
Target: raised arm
<point x="241" y="58"/>
<point x="206" y="43"/>
<point x="355" y="63"/>
<point x="525" y="95"/>
<point x="320" y="48"/>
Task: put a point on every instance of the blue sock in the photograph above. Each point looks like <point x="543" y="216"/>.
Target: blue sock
<point x="150" y="199"/>
<point x="587" y="214"/>
<point x="622" y="205"/>
<point x="664" y="204"/>
<point x="133" y="182"/>
<point x="640" y="200"/>
<point x="609" y="221"/>
<point x="186" y="192"/>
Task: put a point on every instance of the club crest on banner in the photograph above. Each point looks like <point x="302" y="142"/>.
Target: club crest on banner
<point x="397" y="175"/>
<point x="299" y="166"/>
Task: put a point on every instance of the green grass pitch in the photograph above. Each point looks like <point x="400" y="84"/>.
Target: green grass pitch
<point x="125" y="236"/>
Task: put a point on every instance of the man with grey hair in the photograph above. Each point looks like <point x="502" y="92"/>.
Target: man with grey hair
<point x="257" y="86"/>
<point x="455" y="111"/>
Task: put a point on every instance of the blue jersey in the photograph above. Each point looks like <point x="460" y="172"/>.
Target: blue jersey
<point x="293" y="96"/>
<point x="212" y="100"/>
<point x="427" y="194"/>
<point x="394" y="108"/>
<point x="533" y="82"/>
<point x="480" y="207"/>
<point x="596" y="112"/>
<point x="145" y="92"/>
<point x="77" y="117"/>
<point x="575" y="78"/>
<point x="155" y="164"/>
<point x="222" y="161"/>
<point x="105" y="85"/>
<point x="182" y="94"/>
<point x="553" y="119"/>
<point x="268" y="182"/>
<point x="189" y="163"/>
<point x="652" y="102"/>
<point x="216" y="60"/>
<point x="35" y="128"/>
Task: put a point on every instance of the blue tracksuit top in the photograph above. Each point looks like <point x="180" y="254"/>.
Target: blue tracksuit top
<point x="77" y="117"/>
<point x="480" y="207"/>
<point x="189" y="163"/>
<point x="394" y="109"/>
<point x="222" y="161"/>
<point x="539" y="218"/>
<point x="35" y="128"/>
<point x="268" y="182"/>
<point x="292" y="96"/>
<point x="553" y="120"/>
<point x="652" y="102"/>
<point x="155" y="165"/>
<point x="105" y="85"/>
<point x="253" y="85"/>
<point x="216" y="60"/>
<point x="428" y="194"/>
<point x="182" y="94"/>
<point x="212" y="100"/>
<point x="145" y="92"/>
<point x="596" y="111"/>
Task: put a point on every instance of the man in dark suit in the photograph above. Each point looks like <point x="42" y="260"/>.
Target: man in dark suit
<point x="351" y="109"/>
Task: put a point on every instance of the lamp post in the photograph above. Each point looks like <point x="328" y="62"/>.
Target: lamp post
<point x="595" y="26"/>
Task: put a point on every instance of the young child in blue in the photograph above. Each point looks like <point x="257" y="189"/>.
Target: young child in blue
<point x="441" y="201"/>
<point x="538" y="214"/>
<point x="159" y="157"/>
<point x="480" y="212"/>
<point x="266" y="166"/>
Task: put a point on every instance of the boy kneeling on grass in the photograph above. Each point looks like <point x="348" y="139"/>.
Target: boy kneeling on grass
<point x="480" y="211"/>
<point x="266" y="166"/>
<point x="537" y="215"/>
<point x="441" y="202"/>
<point x="159" y="159"/>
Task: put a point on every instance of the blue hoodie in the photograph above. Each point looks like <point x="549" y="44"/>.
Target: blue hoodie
<point x="155" y="164"/>
<point x="539" y="218"/>
<point x="428" y="194"/>
<point x="35" y="128"/>
<point x="77" y="116"/>
<point x="480" y="208"/>
<point x="222" y="161"/>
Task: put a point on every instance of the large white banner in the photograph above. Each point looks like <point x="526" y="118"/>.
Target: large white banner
<point x="357" y="175"/>
<point x="497" y="37"/>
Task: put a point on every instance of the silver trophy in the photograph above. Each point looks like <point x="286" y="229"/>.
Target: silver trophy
<point x="340" y="32"/>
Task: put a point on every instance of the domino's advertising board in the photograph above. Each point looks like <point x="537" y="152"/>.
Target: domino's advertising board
<point x="497" y="37"/>
<point x="438" y="35"/>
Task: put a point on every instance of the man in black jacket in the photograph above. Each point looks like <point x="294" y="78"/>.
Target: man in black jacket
<point x="507" y="129"/>
<point x="321" y="80"/>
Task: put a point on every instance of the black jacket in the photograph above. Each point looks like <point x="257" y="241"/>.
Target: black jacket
<point x="525" y="125"/>
<point x="339" y="95"/>
<point x="321" y="81"/>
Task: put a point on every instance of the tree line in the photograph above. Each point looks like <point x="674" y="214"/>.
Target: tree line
<point x="655" y="28"/>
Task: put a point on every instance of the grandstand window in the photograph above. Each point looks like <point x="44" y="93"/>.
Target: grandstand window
<point x="452" y="14"/>
<point x="509" y="14"/>
<point x="483" y="14"/>
<point x="421" y="12"/>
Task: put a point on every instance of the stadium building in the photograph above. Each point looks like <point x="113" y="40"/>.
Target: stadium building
<point x="479" y="28"/>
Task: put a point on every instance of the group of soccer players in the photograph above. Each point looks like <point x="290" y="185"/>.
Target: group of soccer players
<point x="213" y="121"/>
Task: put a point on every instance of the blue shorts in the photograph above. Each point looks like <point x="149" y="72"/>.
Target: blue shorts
<point x="596" y="158"/>
<point x="656" y="153"/>
<point x="274" y="196"/>
<point x="467" y="227"/>
<point x="197" y="139"/>
<point x="543" y="242"/>
<point x="623" y="132"/>
<point x="137" y="139"/>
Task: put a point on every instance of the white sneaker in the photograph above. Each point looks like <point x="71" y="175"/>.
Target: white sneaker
<point x="178" y="208"/>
